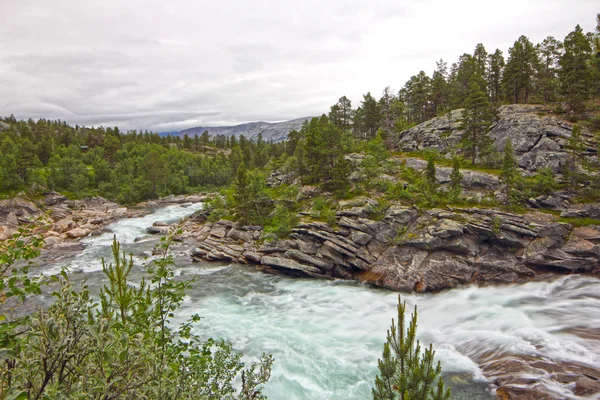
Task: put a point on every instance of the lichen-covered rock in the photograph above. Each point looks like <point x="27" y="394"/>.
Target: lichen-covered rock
<point x="408" y="249"/>
<point x="538" y="139"/>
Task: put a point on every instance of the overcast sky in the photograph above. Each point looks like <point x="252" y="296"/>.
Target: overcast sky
<point x="173" y="64"/>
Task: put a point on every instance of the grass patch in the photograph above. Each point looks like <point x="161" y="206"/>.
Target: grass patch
<point x="577" y="222"/>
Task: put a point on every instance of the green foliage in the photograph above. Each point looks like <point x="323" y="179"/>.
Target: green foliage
<point x="509" y="173"/>
<point x="578" y="222"/>
<point x="323" y="210"/>
<point x="377" y="210"/>
<point x="405" y="372"/>
<point x="456" y="178"/>
<point x="478" y="116"/>
<point x="496" y="224"/>
<point x="575" y="74"/>
<point x="519" y="74"/>
<point x="399" y="191"/>
<point x="126" y="346"/>
<point x="282" y="221"/>
<point x="250" y="201"/>
<point x="575" y="147"/>
<point x="544" y="182"/>
<point x="127" y="167"/>
<point x="430" y="175"/>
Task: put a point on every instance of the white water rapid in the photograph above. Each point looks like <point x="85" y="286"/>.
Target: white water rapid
<point x="326" y="336"/>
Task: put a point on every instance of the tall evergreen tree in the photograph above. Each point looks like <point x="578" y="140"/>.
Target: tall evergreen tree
<point x="456" y="178"/>
<point x="430" y="174"/>
<point x="496" y="65"/>
<point x="371" y="115"/>
<point x="416" y="94"/>
<point x="439" y="87"/>
<point x="575" y="72"/>
<point x="575" y="147"/>
<point x="519" y="74"/>
<point x="509" y="173"/>
<point x="460" y="76"/>
<point x="341" y="114"/>
<point x="386" y="104"/>
<point x="478" y="116"/>
<point x="549" y="52"/>
<point x="480" y="57"/>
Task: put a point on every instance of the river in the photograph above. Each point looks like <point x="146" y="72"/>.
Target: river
<point x="326" y="336"/>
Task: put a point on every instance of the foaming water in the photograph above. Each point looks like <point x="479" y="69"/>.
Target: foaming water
<point x="326" y="336"/>
<point x="127" y="231"/>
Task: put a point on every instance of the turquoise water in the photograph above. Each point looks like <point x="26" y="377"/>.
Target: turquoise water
<point x="326" y="336"/>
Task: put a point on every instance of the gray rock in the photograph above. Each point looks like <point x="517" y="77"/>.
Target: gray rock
<point x="308" y="259"/>
<point x="157" y="230"/>
<point x="360" y="238"/>
<point x="279" y="262"/>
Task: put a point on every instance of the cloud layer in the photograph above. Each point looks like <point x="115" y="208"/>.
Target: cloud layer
<point x="148" y="64"/>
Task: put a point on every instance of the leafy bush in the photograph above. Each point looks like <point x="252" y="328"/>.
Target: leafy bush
<point x="121" y="347"/>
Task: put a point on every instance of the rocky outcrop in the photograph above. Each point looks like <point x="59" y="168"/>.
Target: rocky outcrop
<point x="538" y="138"/>
<point x="410" y="249"/>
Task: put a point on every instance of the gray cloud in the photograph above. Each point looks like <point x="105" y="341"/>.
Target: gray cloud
<point x="150" y="64"/>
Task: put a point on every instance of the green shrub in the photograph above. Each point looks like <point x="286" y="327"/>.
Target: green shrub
<point x="544" y="182"/>
<point x="282" y="222"/>
<point x="124" y="346"/>
<point x="323" y="210"/>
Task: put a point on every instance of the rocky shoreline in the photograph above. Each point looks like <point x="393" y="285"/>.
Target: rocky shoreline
<point x="408" y="249"/>
<point x="64" y="222"/>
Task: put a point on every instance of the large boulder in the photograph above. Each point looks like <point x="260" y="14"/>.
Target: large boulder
<point x="78" y="233"/>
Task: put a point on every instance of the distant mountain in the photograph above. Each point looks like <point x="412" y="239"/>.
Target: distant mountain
<point x="172" y="133"/>
<point x="275" y="131"/>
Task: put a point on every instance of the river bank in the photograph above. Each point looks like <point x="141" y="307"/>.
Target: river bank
<point x="524" y="341"/>
<point x="528" y="341"/>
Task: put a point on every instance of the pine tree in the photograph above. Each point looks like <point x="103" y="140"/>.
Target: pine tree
<point x="430" y="174"/>
<point x="416" y="94"/>
<point x="509" y="173"/>
<point x="404" y="371"/>
<point x="242" y="194"/>
<point x="575" y="72"/>
<point x="549" y="51"/>
<point x="439" y="87"/>
<point x="495" y="70"/>
<point x="575" y="147"/>
<point x="341" y="114"/>
<point x="455" y="179"/>
<point x="478" y="116"/>
<point x="371" y="116"/>
<point x="386" y="107"/>
<point x="519" y="74"/>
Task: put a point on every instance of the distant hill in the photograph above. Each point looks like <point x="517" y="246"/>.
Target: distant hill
<point x="275" y="131"/>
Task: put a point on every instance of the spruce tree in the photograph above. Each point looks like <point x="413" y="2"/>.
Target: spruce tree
<point x="404" y="371"/>
<point x="509" y="173"/>
<point x="478" y="116"/>
<point x="430" y="173"/>
<point x="241" y="194"/>
<point x="575" y="146"/>
<point x="519" y="74"/>
<point x="549" y="51"/>
<point x="575" y="73"/>
<point x="455" y="179"/>
<point x="494" y="76"/>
